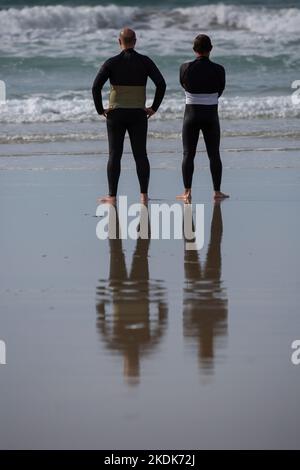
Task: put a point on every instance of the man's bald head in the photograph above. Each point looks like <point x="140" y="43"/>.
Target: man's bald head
<point x="127" y="38"/>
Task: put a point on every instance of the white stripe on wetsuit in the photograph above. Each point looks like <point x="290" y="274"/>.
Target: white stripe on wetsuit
<point x="201" y="98"/>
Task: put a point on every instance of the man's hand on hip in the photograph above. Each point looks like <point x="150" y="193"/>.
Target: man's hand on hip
<point x="149" y="112"/>
<point x="105" y="112"/>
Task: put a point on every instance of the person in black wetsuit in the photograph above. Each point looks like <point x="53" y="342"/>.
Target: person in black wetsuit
<point x="128" y="73"/>
<point x="203" y="82"/>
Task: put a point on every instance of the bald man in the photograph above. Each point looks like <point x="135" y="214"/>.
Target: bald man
<point x="128" y="73"/>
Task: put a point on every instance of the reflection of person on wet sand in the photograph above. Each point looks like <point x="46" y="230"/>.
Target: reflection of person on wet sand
<point x="131" y="309"/>
<point x="205" y="305"/>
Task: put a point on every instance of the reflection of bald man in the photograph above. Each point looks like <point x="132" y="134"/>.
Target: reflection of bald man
<point x="205" y="305"/>
<point x="128" y="73"/>
<point x="124" y="306"/>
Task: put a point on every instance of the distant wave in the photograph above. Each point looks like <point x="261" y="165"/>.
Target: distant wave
<point x="20" y="3"/>
<point x="59" y="17"/>
<point x="43" y="109"/>
<point x="14" y="21"/>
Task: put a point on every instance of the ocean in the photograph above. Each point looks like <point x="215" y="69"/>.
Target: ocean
<point x="50" y="53"/>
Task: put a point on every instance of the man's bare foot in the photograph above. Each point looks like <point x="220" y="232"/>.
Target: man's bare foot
<point x="107" y="200"/>
<point x="186" y="196"/>
<point x="220" y="195"/>
<point x="144" y="198"/>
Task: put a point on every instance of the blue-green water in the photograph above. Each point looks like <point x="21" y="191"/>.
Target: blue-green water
<point x="50" y="53"/>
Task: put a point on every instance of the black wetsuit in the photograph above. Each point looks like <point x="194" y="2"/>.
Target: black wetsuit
<point x="204" y="82"/>
<point x="128" y="73"/>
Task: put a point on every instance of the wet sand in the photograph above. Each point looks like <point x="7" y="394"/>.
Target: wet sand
<point x="126" y="345"/>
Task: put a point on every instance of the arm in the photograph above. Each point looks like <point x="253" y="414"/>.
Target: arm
<point x="159" y="82"/>
<point x="182" y="72"/>
<point x="98" y="84"/>
<point x="222" y="80"/>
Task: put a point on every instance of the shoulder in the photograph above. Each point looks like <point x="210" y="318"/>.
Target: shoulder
<point x="218" y="67"/>
<point x="185" y="66"/>
<point x="112" y="60"/>
<point x="146" y="59"/>
<point x="148" y="63"/>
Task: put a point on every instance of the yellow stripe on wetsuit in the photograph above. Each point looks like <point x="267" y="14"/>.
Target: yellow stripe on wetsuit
<point x="127" y="96"/>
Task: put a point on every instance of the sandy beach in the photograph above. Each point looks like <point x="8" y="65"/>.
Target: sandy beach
<point x="127" y="344"/>
<point x="124" y="344"/>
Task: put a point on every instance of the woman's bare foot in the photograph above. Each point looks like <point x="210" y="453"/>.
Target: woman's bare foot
<point x="107" y="200"/>
<point x="186" y="196"/>
<point x="220" y="195"/>
<point x="144" y="198"/>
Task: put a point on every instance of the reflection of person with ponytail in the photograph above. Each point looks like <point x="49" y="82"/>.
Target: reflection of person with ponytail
<point x="131" y="309"/>
<point x="205" y="302"/>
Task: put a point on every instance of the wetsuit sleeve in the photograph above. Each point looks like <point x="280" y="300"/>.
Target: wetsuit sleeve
<point x="222" y="81"/>
<point x="101" y="78"/>
<point x="182" y="71"/>
<point x="159" y="82"/>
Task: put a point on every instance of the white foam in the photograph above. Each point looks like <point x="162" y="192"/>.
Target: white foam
<point x="82" y="19"/>
<point x="261" y="20"/>
<point x="59" y="17"/>
<point x="43" y="109"/>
